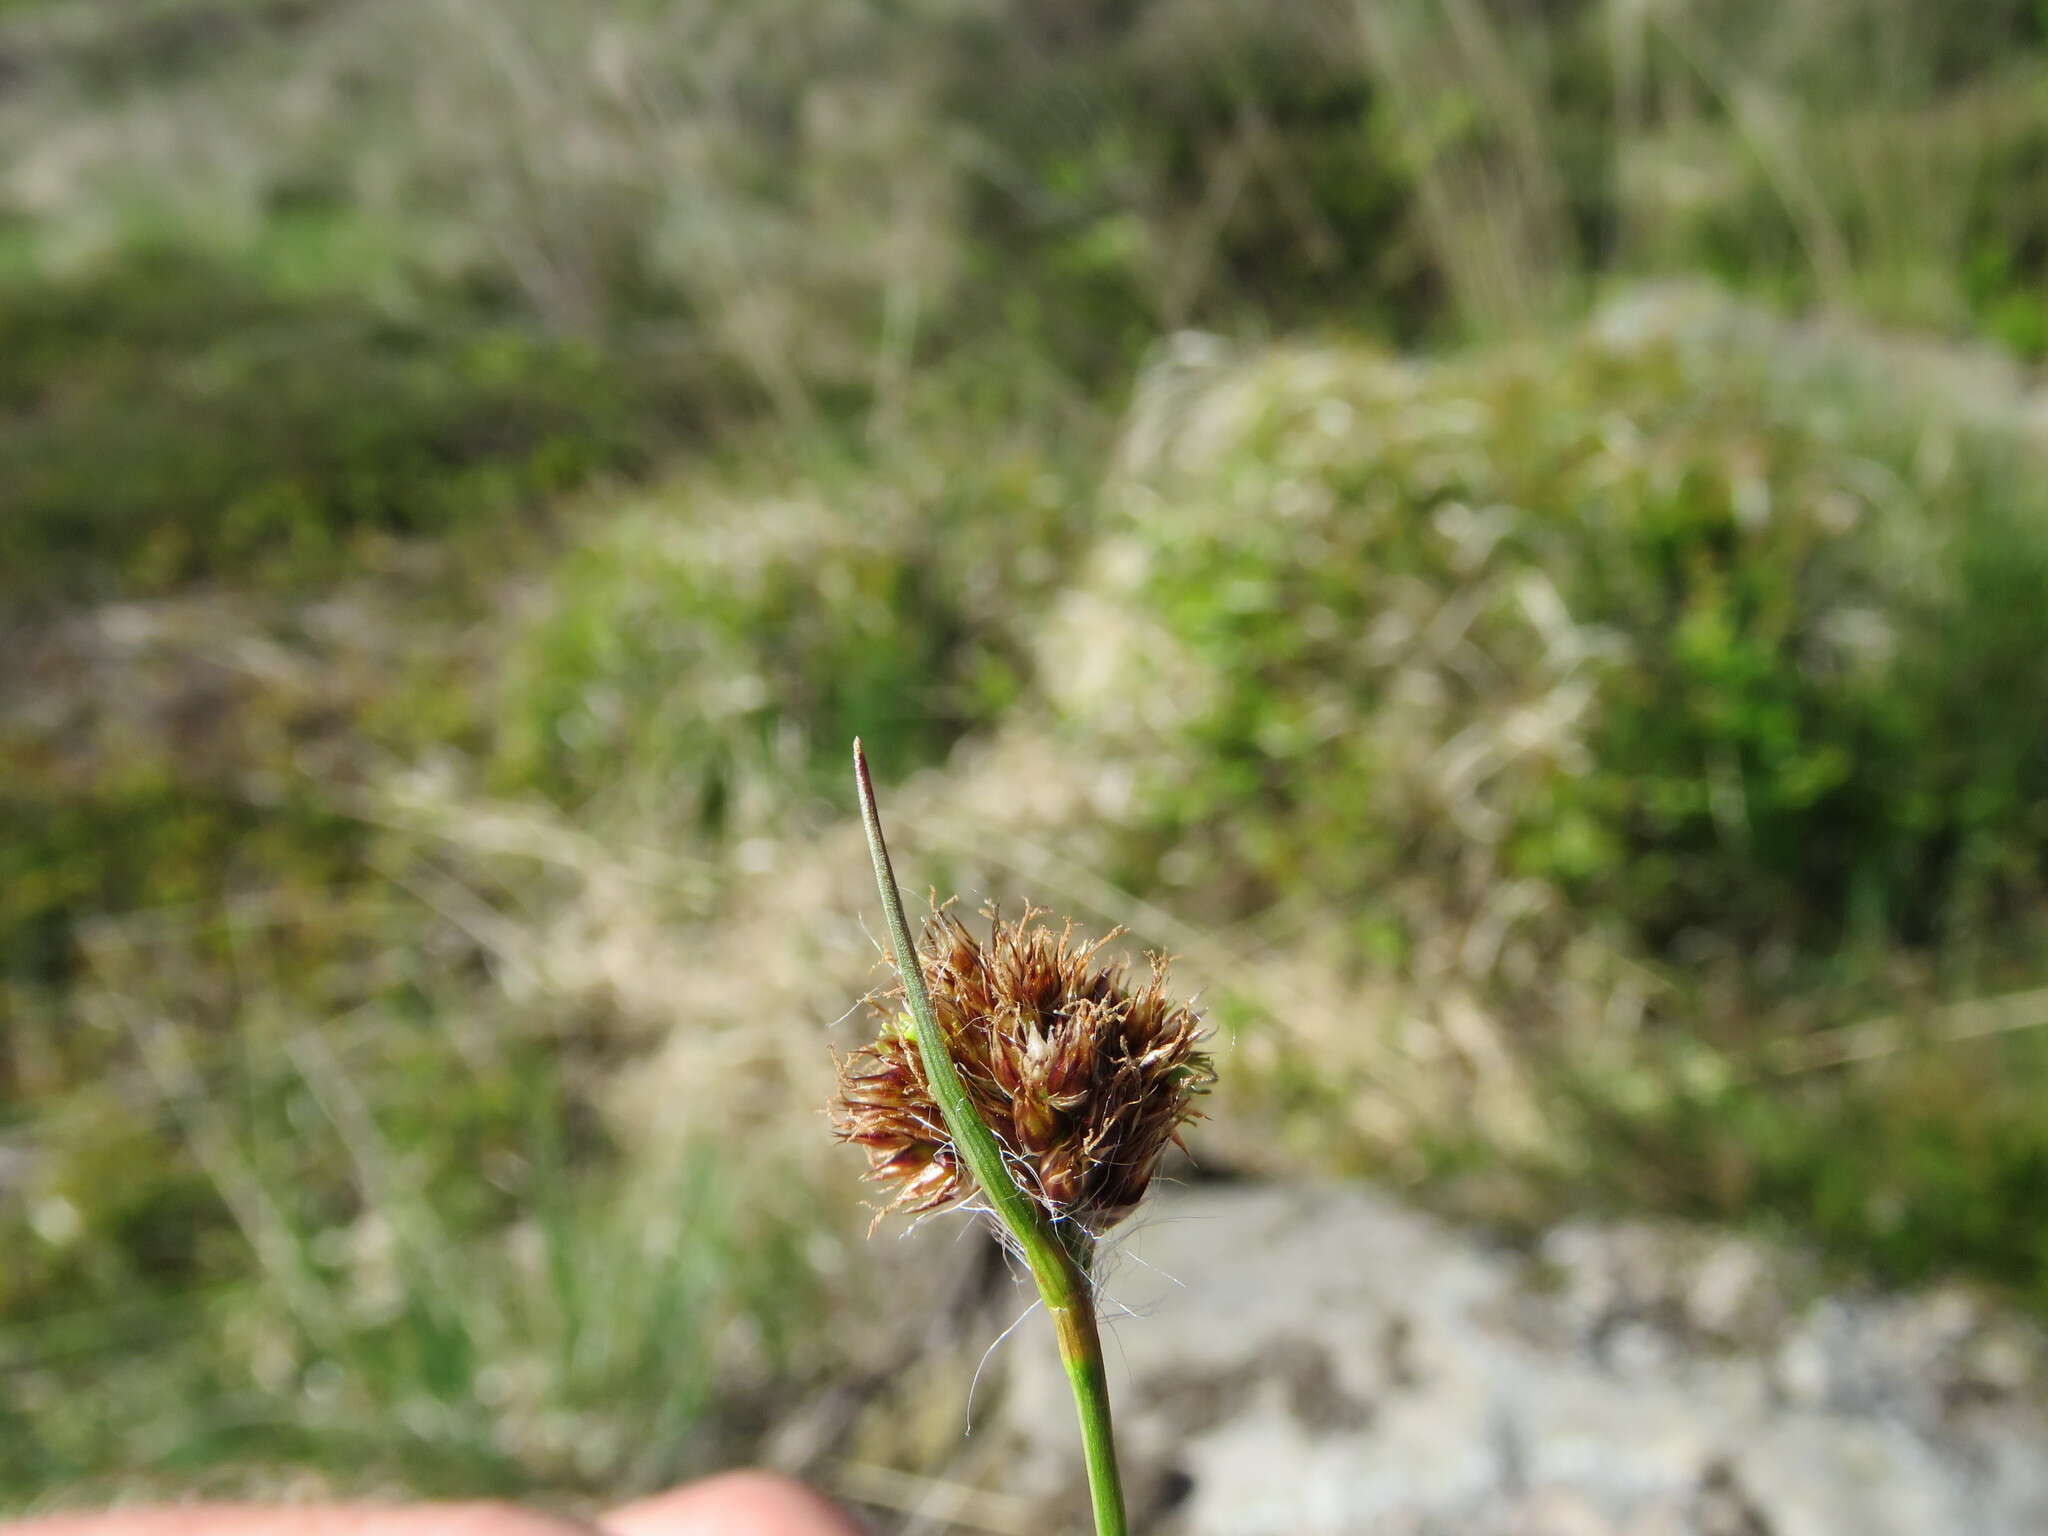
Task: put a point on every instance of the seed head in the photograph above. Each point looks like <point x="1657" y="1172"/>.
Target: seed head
<point x="1083" y="1078"/>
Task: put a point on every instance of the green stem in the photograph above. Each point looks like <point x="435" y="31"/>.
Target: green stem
<point x="1061" y="1275"/>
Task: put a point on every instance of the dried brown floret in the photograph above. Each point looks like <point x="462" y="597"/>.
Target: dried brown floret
<point x="1083" y="1077"/>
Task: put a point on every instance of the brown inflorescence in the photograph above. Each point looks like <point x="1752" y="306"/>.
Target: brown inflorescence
<point x="1084" y="1077"/>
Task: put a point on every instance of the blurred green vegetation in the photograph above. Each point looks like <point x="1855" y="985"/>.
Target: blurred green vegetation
<point x="274" y="439"/>
<point x="1916" y="1169"/>
<point x="1786" y="656"/>
<point x="600" y="414"/>
<point x="1687" y="637"/>
<point x="722" y="639"/>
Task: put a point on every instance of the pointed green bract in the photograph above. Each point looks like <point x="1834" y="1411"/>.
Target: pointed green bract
<point x="1059" y="1269"/>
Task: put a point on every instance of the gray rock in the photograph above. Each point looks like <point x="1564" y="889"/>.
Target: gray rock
<point x="1323" y="1362"/>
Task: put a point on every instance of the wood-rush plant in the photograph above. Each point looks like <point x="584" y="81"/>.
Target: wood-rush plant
<point x="1022" y="1071"/>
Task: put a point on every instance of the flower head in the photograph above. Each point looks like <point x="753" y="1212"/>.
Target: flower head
<point x="1083" y="1077"/>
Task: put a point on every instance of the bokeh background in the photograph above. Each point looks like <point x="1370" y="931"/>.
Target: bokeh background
<point x="1510" y="537"/>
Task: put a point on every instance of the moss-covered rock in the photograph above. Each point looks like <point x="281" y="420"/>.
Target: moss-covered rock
<point x="1688" y="628"/>
<point x="1593" y="721"/>
<point x="713" y="648"/>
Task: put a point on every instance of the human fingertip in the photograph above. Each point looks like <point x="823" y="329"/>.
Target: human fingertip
<point x="746" y="1503"/>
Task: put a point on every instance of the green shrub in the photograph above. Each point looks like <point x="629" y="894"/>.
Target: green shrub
<point x="714" y="650"/>
<point x="1708" y="640"/>
<point x="1604" y="716"/>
